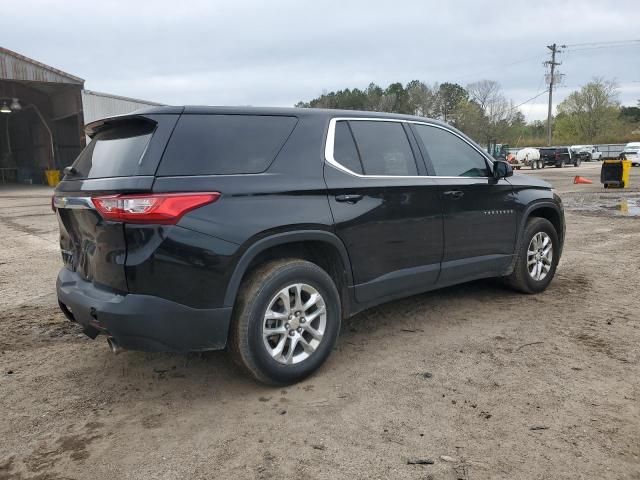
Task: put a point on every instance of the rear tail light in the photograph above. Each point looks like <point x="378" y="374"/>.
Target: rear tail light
<point x="158" y="208"/>
<point x="557" y="155"/>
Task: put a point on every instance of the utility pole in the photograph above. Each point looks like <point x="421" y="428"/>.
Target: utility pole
<point x="552" y="63"/>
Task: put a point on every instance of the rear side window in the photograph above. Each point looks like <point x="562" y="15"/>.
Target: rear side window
<point x="384" y="148"/>
<point x="450" y="155"/>
<point x="344" y="148"/>
<point x="115" y="152"/>
<point x="224" y="144"/>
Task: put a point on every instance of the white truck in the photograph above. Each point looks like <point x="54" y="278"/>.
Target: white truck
<point x="586" y="152"/>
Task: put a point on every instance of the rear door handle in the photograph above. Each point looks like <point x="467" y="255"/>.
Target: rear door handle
<point x="349" y="198"/>
<point x="454" y="193"/>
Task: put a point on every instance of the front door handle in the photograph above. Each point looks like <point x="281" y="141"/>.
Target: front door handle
<point x="454" y="193"/>
<point x="349" y="198"/>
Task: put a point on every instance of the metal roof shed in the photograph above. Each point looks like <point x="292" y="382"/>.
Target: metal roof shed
<point x="41" y="119"/>
<point x="42" y="115"/>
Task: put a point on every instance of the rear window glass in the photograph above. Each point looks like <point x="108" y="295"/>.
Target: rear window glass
<point x="115" y="152"/>
<point x="384" y="148"/>
<point x="224" y="144"/>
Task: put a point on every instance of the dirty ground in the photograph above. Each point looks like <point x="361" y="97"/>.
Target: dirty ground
<point x="471" y="382"/>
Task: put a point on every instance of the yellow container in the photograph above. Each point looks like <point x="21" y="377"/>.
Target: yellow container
<point x="615" y="173"/>
<point x="626" y="171"/>
<point x="53" y="177"/>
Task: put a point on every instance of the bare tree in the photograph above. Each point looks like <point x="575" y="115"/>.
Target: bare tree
<point x="498" y="111"/>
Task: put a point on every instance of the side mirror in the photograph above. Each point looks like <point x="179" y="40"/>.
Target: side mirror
<point x="501" y="169"/>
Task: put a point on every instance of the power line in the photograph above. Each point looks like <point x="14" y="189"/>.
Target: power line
<point x="603" y="44"/>
<point x="532" y="98"/>
<point x="603" y="47"/>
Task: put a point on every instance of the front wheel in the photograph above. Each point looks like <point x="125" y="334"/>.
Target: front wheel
<point x="577" y="162"/>
<point x="286" y="321"/>
<point x="537" y="257"/>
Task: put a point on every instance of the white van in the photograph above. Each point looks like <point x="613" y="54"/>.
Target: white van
<point x="632" y="152"/>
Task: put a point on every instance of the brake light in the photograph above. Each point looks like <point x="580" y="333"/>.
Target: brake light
<point x="158" y="208"/>
<point x="557" y="155"/>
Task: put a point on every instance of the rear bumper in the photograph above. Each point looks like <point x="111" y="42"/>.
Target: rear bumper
<point x="142" y="322"/>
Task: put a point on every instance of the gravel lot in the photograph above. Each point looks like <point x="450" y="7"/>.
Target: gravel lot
<point x="484" y="382"/>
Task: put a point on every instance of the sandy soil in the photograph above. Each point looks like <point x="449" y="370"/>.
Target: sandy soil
<point x="484" y="382"/>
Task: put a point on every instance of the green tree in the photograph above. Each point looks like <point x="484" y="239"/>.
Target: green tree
<point x="590" y="112"/>
<point x="422" y="99"/>
<point x="450" y="95"/>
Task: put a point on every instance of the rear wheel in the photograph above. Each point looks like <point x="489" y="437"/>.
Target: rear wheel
<point x="286" y="321"/>
<point x="537" y="257"/>
<point x="577" y="162"/>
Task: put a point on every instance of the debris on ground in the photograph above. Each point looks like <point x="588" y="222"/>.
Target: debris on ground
<point x="420" y="461"/>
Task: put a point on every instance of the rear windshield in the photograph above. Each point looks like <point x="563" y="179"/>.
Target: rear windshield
<point x="224" y="144"/>
<point x="115" y="152"/>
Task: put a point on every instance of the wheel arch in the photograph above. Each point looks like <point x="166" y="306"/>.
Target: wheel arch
<point x="320" y="247"/>
<point x="549" y="211"/>
<point x="541" y="209"/>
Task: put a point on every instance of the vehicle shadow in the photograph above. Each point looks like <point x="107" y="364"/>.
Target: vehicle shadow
<point x="158" y="376"/>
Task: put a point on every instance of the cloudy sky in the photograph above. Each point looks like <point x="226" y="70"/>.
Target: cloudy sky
<point x="260" y="52"/>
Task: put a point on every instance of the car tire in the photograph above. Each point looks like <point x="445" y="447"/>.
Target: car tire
<point x="259" y="298"/>
<point x="521" y="278"/>
<point x="577" y="162"/>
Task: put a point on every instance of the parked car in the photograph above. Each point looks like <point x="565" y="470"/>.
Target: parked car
<point x="559" y="157"/>
<point x="195" y="228"/>
<point x="631" y="152"/>
<point x="586" y="152"/>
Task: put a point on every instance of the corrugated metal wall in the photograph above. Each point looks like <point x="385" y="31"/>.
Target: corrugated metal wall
<point x="14" y="66"/>
<point x="96" y="105"/>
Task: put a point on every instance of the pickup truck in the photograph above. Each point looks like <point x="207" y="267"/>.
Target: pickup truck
<point x="586" y="152"/>
<point x="559" y="157"/>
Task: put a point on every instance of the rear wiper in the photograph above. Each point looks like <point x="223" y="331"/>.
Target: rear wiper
<point x="71" y="171"/>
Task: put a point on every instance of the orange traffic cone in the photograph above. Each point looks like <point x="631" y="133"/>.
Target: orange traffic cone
<point x="579" y="179"/>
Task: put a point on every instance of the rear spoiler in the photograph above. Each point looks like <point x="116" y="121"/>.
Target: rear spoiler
<point x="142" y="115"/>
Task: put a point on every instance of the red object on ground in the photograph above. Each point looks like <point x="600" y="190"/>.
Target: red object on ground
<point x="579" y="179"/>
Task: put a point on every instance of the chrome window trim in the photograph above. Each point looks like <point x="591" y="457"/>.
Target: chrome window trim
<point x="74" y="203"/>
<point x="330" y="142"/>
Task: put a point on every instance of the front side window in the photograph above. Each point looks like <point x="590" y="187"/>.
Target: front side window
<point x="384" y="148"/>
<point x="450" y="155"/>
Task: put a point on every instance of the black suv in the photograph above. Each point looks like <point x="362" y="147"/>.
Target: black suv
<point x="195" y="228"/>
<point x="559" y="157"/>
